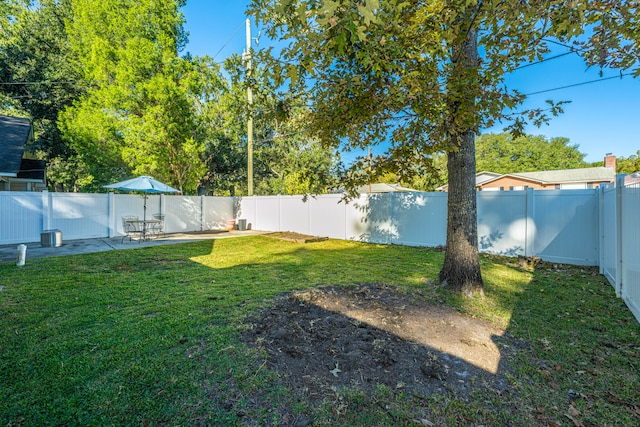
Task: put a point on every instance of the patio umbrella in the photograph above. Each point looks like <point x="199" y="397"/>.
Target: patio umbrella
<point x="144" y="184"/>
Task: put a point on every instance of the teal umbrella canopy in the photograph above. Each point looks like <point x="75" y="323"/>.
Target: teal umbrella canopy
<point x="145" y="184"/>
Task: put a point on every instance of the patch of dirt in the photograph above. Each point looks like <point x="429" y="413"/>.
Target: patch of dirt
<point x="333" y="337"/>
<point x="292" y="236"/>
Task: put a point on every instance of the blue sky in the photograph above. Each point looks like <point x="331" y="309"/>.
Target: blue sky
<point x="602" y="118"/>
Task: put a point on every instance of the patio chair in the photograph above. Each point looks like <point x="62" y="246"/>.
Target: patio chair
<point x="131" y="227"/>
<point x="158" y="228"/>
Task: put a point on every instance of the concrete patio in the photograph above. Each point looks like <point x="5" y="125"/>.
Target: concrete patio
<point x="8" y="253"/>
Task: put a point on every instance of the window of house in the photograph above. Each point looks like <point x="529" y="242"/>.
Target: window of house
<point x="501" y="188"/>
<point x="589" y="184"/>
<point x="557" y="186"/>
<point x="511" y="187"/>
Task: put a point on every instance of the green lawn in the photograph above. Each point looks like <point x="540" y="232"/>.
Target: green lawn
<point x="151" y="337"/>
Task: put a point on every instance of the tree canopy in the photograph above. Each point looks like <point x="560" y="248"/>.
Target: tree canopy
<point x="286" y="159"/>
<point x="502" y="153"/>
<point x="111" y="96"/>
<point x="42" y="78"/>
<point x="629" y="164"/>
<point x="142" y="112"/>
<point x="427" y="76"/>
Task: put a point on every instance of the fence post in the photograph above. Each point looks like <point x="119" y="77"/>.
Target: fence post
<point x="202" y="217"/>
<point x="620" y="260"/>
<point x="46" y="210"/>
<point x="346" y="225"/>
<point x="308" y="203"/>
<point x="601" y="225"/>
<point x="529" y="222"/>
<point x="111" y="214"/>
<point x="255" y="210"/>
<point x="391" y="218"/>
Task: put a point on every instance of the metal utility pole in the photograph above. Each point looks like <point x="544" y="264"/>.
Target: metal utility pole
<point x="250" y="114"/>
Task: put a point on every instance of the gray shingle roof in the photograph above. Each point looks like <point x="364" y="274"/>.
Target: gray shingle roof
<point x="569" y="175"/>
<point x="14" y="134"/>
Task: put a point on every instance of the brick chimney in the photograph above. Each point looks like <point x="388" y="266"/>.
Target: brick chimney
<point x="610" y="161"/>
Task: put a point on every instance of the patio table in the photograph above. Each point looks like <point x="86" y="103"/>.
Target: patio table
<point x="146" y="226"/>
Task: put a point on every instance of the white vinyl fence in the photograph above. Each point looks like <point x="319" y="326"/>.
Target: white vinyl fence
<point x="24" y="215"/>
<point x="558" y="226"/>
<point x="620" y="257"/>
<point x="581" y="227"/>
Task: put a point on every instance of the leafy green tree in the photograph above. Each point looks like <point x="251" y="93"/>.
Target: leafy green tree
<point x="411" y="73"/>
<point x="502" y="153"/>
<point x="286" y="159"/>
<point x="146" y="110"/>
<point x="36" y="59"/>
<point x="629" y="164"/>
<point x="425" y="180"/>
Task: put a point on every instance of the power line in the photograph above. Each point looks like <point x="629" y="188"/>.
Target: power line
<point x="573" y="48"/>
<point x="579" y="84"/>
<point x="43" y="83"/>
<point x="543" y="60"/>
<point x="235" y="33"/>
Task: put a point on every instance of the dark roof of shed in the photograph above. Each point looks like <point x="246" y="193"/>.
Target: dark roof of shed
<point x="14" y="134"/>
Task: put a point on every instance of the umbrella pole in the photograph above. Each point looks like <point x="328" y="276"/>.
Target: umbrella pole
<point x="144" y="219"/>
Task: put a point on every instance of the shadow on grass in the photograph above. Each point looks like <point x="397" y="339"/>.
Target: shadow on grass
<point x="583" y="357"/>
<point x="151" y="336"/>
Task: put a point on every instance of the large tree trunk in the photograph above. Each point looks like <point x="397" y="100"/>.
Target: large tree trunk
<point x="461" y="269"/>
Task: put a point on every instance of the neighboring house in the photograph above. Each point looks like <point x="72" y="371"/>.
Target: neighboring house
<point x="481" y="177"/>
<point x="633" y="179"/>
<point x="381" y="187"/>
<point x="564" y="179"/>
<point x="18" y="173"/>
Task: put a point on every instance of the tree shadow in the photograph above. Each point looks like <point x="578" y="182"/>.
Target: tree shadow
<point x="193" y="299"/>
<point x="420" y="219"/>
<point x="360" y="337"/>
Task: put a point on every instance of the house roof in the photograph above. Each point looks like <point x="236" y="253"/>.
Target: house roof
<point x="564" y="175"/>
<point x="481" y="177"/>
<point x="14" y="134"/>
<point x="485" y="176"/>
<point x="382" y="187"/>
